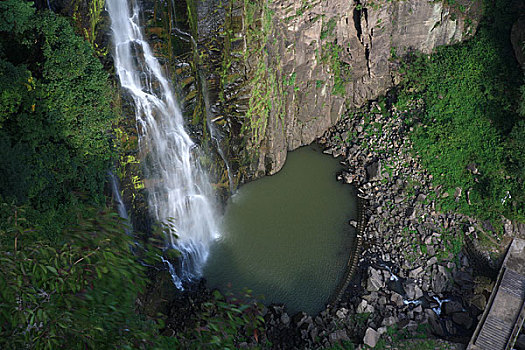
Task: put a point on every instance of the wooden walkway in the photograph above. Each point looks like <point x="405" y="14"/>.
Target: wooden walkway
<point x="503" y="317"/>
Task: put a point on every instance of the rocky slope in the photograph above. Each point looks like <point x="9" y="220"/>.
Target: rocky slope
<point x="413" y="276"/>
<point x="413" y="269"/>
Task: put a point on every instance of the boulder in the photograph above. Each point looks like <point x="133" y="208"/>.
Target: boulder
<point x="341" y="313"/>
<point x="451" y="327"/>
<point x="314" y="333"/>
<point x="371" y="337"/>
<point x="439" y="279"/>
<point x="479" y="301"/>
<point x="364" y="307"/>
<point x="463" y="319"/>
<point x="285" y="319"/>
<point x="415" y="272"/>
<point x="413" y="292"/>
<point x="375" y="280"/>
<point x="338" y="336"/>
<point x="300" y="318"/>
<point x="457" y="193"/>
<point x="451" y="307"/>
<point x="373" y="171"/>
<point x="389" y="321"/>
<point x="397" y="299"/>
<point x="411" y="326"/>
<point x="464" y="280"/>
<point x="418" y="293"/>
<point x="435" y="324"/>
<point x="421" y="197"/>
<point x="432" y="261"/>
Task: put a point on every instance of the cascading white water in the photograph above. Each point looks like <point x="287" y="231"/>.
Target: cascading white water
<point x="121" y="208"/>
<point x="115" y="189"/>
<point x="177" y="186"/>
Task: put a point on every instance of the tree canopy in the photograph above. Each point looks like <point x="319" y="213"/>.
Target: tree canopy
<point x="55" y="114"/>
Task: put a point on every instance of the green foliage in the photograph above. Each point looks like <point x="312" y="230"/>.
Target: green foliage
<point x="267" y="95"/>
<point x="402" y="339"/>
<point x="80" y="293"/>
<point x="522" y="102"/>
<point x="55" y="114"/>
<point x="15" y="82"/>
<point x="469" y="135"/>
<point x="77" y="294"/>
<point x="74" y="86"/>
<point x="95" y="12"/>
<point x="516" y="148"/>
<point x="226" y="322"/>
<point x="15" y="15"/>
<point x="345" y="345"/>
<point x="332" y="55"/>
<point x="328" y="28"/>
<point x="289" y="80"/>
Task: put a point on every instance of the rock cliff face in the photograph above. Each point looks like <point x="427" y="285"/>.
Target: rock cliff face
<point x="327" y="55"/>
<point x="258" y="78"/>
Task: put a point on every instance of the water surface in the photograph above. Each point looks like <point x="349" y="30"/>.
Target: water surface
<point x="287" y="236"/>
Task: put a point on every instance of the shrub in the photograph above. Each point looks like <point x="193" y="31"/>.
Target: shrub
<point x="78" y="294"/>
<point x="464" y="136"/>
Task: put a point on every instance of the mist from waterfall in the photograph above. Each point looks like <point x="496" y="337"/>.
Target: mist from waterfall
<point x="177" y="186"/>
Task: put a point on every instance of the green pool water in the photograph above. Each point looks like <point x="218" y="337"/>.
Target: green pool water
<point x="286" y="236"/>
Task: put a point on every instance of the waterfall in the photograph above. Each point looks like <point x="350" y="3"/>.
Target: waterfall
<point x="115" y="190"/>
<point x="121" y="208"/>
<point x="177" y="186"/>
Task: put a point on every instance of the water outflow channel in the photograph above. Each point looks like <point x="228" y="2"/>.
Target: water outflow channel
<point x="178" y="188"/>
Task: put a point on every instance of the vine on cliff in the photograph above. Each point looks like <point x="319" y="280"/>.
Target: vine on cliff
<point x="266" y="91"/>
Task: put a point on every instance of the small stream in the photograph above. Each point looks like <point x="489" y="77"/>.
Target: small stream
<point x="287" y="237"/>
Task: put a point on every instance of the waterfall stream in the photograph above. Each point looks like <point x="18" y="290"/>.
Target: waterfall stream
<point x="121" y="208"/>
<point x="177" y="186"/>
